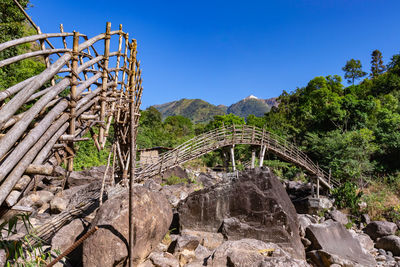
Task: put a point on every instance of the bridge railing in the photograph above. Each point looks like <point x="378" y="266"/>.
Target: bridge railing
<point x="236" y="134"/>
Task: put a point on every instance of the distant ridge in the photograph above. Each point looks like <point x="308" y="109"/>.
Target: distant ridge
<point x="199" y="110"/>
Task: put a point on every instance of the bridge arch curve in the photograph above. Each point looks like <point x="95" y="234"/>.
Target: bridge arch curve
<point x="235" y="135"/>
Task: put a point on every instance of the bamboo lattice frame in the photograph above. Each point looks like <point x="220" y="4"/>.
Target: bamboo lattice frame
<point x="83" y="88"/>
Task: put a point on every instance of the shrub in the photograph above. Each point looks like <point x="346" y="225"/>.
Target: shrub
<point x="346" y="196"/>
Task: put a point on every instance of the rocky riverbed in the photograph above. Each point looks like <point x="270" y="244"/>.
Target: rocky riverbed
<point x="214" y="220"/>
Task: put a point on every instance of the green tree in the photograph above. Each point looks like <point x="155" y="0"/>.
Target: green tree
<point x="353" y="70"/>
<point x="377" y="66"/>
<point x="13" y="25"/>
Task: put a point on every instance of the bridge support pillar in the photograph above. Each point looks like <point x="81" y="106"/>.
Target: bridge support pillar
<point x="253" y="158"/>
<point x="233" y="157"/>
<point x="317" y="187"/>
<point x="262" y="153"/>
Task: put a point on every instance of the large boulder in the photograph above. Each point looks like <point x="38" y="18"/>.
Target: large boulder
<point x="390" y="243"/>
<point x="378" y="229"/>
<point x="255" y="205"/>
<point x="66" y="237"/>
<point x="108" y="246"/>
<point x="335" y="244"/>
<point x="252" y="252"/>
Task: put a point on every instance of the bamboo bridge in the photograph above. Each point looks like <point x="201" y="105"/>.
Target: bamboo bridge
<point x="235" y="135"/>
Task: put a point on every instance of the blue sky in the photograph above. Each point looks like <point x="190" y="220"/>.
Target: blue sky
<point x="223" y="51"/>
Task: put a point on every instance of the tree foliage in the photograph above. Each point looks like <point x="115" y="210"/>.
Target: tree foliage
<point x="377" y="66"/>
<point x="353" y="70"/>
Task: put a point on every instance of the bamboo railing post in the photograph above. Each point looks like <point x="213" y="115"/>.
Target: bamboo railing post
<point x="73" y="100"/>
<point x="132" y="126"/>
<point x="103" y="99"/>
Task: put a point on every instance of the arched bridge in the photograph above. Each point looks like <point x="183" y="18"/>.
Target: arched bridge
<point x="233" y="135"/>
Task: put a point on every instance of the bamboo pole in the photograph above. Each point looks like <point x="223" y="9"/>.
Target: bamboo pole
<point x="132" y="240"/>
<point x="72" y="103"/>
<point x="104" y="80"/>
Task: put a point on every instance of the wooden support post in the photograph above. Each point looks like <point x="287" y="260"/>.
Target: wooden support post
<point x="253" y="158"/>
<point x="233" y="157"/>
<point x="318" y="187"/>
<point x="103" y="102"/>
<point x="72" y="103"/>
<point x="262" y="153"/>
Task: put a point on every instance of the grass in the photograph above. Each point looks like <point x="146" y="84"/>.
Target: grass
<point x="174" y="180"/>
<point x="382" y="201"/>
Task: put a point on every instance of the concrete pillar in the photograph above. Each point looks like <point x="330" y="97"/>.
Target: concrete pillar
<point x="233" y="157"/>
<point x="317" y="187"/>
<point x="253" y="158"/>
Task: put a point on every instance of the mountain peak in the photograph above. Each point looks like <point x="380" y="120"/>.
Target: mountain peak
<point x="251" y="97"/>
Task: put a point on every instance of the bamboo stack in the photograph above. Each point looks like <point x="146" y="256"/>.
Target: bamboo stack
<point x="81" y="91"/>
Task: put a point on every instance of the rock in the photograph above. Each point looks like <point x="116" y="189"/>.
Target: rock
<point x="186" y="256"/>
<point x="152" y="185"/>
<point x="365" y="241"/>
<point x="252" y="252"/>
<point x="3" y="257"/>
<point x="174" y="193"/>
<point x="263" y="211"/>
<point x="78" y="178"/>
<point x="378" y="229"/>
<point x="207" y="239"/>
<point x="202" y="252"/>
<point x="304" y="221"/>
<point x="382" y="252"/>
<point x="58" y="204"/>
<point x="206" y="179"/>
<point x="380" y="258"/>
<point x="389" y="243"/>
<point x="365" y="218"/>
<point x="66" y="236"/>
<point x="334" y="243"/>
<point x="338" y="216"/>
<point x="184" y="242"/>
<point x="163" y="259"/>
<point x="330" y="259"/>
<point x="306" y="242"/>
<point x="108" y="245"/>
<point x="147" y="263"/>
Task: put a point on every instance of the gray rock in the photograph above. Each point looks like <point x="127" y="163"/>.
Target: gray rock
<point x="152" y="185"/>
<point x="206" y="179"/>
<point x="66" y="236"/>
<point x="207" y="239"/>
<point x="58" y="204"/>
<point x="146" y="263"/>
<point x="334" y="243"/>
<point x="263" y="211"/>
<point x="252" y="252"/>
<point x="381" y="252"/>
<point x="108" y="245"/>
<point x="3" y="257"/>
<point x="380" y="258"/>
<point x="163" y="259"/>
<point x="202" y="252"/>
<point x="338" y="216"/>
<point x="365" y="218"/>
<point x="389" y="243"/>
<point x="365" y="241"/>
<point x="378" y="229"/>
<point x="188" y="242"/>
